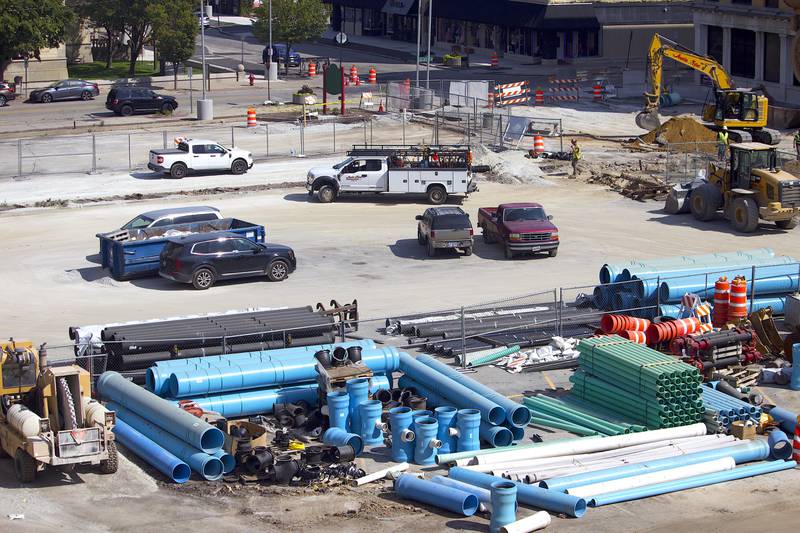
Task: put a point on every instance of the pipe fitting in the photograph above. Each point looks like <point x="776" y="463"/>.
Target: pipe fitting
<point x="504" y="505"/>
<point x="468" y="422"/>
<point x="371" y="426"/>
<point x="426" y="428"/>
<point x="339" y="437"/>
<point x="435" y="444"/>
<point x="401" y="419"/>
<point x="446" y="416"/>
<point x="358" y="389"/>
<point x="407" y="435"/>
<point x="338" y="409"/>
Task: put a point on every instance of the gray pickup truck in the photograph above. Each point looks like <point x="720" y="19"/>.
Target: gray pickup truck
<point x="445" y="228"/>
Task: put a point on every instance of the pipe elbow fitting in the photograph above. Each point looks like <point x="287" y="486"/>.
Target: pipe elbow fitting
<point x="407" y="436"/>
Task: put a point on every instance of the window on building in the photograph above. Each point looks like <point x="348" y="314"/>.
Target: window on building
<point x="714" y="42"/>
<point x="772" y="57"/>
<point x="743" y="48"/>
<point x="742" y="2"/>
<point x="772" y="4"/>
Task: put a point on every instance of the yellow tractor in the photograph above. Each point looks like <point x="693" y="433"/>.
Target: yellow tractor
<point x="742" y="111"/>
<point x="748" y="189"/>
<point x="47" y="415"/>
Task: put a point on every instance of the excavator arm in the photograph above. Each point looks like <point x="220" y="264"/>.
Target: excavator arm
<point x="661" y="47"/>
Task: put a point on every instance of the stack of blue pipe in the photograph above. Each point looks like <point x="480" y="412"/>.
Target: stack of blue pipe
<point x="728" y="408"/>
<point x="654" y="287"/>
<point x="253" y="382"/>
<point x="167" y="437"/>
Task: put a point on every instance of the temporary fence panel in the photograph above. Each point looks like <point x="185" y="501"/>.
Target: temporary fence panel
<point x="464" y="93"/>
<point x="517" y="93"/>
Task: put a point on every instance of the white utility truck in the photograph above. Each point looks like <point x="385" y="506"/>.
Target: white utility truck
<point x="436" y="171"/>
<point x="199" y="155"/>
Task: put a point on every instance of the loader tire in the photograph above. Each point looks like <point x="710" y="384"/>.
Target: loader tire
<point x="744" y="215"/>
<point x="110" y="465"/>
<point x="705" y="201"/>
<point x="24" y="467"/>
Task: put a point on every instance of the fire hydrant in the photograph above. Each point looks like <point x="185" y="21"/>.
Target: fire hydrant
<point x="252" y="79"/>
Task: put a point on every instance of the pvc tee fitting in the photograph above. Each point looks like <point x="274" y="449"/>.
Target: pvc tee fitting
<point x="400" y="419"/>
<point x="338" y="409"/>
<point x="358" y="389"/>
<point x="371" y="426"/>
<point x="468" y="422"/>
<point x="446" y="416"/>
<point x="426" y="429"/>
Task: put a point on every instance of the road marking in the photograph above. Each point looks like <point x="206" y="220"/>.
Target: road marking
<point x="549" y="381"/>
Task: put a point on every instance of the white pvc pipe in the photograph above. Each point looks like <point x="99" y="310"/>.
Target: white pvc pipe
<point x="534" y="522"/>
<point x="380" y="474"/>
<point x="632" y="482"/>
<point x="594" y="445"/>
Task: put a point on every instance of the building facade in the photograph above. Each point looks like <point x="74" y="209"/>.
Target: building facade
<point x="754" y="40"/>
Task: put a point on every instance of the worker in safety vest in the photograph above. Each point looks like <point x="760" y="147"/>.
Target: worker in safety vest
<point x="797" y="143"/>
<point x="576" y="156"/>
<point x="722" y="143"/>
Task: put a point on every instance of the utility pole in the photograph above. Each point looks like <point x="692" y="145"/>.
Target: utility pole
<point x="428" y="63"/>
<point x="269" y="55"/>
<point x="419" y="36"/>
<point x="202" y="43"/>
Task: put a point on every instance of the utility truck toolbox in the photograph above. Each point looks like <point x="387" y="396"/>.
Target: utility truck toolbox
<point x="138" y="253"/>
<point x="436" y="171"/>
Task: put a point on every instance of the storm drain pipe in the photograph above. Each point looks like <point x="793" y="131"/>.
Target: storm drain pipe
<point x="156" y="456"/>
<point x="430" y="493"/>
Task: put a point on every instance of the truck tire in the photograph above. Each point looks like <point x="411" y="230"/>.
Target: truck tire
<point x="553" y="252"/>
<point x="178" y="171"/>
<point x="110" y="465"/>
<point x="437" y="195"/>
<point x="278" y="270"/>
<point x="326" y="194"/>
<point x="468" y="251"/>
<point x="744" y="214"/>
<point x="24" y="467"/>
<point x="787" y="224"/>
<point x="487" y="236"/>
<point x="704" y="202"/>
<point x="509" y="252"/>
<point x="203" y="278"/>
<point x="166" y="109"/>
<point x="126" y="110"/>
<point x="431" y="250"/>
<point x="238" y="167"/>
<point x="420" y="237"/>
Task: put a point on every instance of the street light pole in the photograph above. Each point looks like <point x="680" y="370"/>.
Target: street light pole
<point x="428" y="63"/>
<point x="269" y="55"/>
<point x="419" y="35"/>
<point x="203" y="43"/>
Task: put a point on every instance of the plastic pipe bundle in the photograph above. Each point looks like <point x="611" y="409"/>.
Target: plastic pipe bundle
<point x="430" y="493"/>
<point x="549" y="500"/>
<point x="156" y="456"/>
<point x="561" y="411"/>
<point x="504" y="505"/>
<point x="771" y="280"/>
<point x="200" y="434"/>
<point x="729" y="409"/>
<point x="692" y="482"/>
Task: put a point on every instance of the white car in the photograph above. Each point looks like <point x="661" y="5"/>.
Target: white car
<point x="199" y="155"/>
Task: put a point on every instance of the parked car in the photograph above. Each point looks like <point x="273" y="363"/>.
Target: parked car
<point x="173" y="215"/>
<point x="520" y="227"/>
<point x="65" y="90"/>
<point x="7" y="92"/>
<point x="205" y="21"/>
<point x="129" y="100"/>
<point x="279" y="55"/>
<point x="199" y="154"/>
<point x="203" y="259"/>
<point x="445" y="227"/>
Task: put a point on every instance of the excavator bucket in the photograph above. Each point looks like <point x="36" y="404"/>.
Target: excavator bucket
<point x="648" y="120"/>
<point x="769" y="340"/>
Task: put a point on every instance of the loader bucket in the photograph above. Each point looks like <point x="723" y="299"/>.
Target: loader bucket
<point x="648" y="120"/>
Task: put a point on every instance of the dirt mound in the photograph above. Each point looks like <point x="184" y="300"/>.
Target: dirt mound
<point x="680" y="130"/>
<point x="792" y="167"/>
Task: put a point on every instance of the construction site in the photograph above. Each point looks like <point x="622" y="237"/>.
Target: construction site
<point x="504" y="307"/>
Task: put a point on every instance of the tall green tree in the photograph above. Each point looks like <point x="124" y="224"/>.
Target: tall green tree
<point x="108" y="15"/>
<point x="28" y="26"/>
<point x="293" y="21"/>
<point x="175" y="28"/>
<point x="137" y="27"/>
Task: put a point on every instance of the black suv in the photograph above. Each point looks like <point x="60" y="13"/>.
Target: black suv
<point x="129" y="100"/>
<point x="445" y="227"/>
<point x="203" y="258"/>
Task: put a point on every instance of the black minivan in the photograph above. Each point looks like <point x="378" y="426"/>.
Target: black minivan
<point x="129" y="100"/>
<point x="205" y="258"/>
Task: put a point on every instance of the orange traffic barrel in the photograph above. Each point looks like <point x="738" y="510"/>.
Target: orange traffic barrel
<point x="494" y="61"/>
<point x="353" y="74"/>
<point x="538" y="144"/>
<point x="639" y="337"/>
<point x="312" y="69"/>
<point x="597" y="91"/>
<point x="490" y="98"/>
<point x="737" y="307"/>
<point x="685" y="326"/>
<point x="538" y="97"/>
<point x="666" y="331"/>
<point x="251" y="117"/>
<point x="611" y="323"/>
<point x="722" y="293"/>
<point x="373" y="76"/>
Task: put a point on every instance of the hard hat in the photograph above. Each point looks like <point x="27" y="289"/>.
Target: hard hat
<point x="725" y="128"/>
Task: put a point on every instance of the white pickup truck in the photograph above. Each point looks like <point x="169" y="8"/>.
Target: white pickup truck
<point x="435" y="171"/>
<point x="198" y="155"/>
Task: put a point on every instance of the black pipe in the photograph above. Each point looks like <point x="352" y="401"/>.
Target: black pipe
<point x="285" y="468"/>
<point x="342" y="454"/>
<point x="312" y="455"/>
<point x="339" y="356"/>
<point x="354" y="354"/>
<point x="384" y="396"/>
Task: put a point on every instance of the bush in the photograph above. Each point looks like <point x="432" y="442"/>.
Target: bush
<point x="305" y="89"/>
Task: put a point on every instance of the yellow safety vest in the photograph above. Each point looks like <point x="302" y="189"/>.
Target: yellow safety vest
<point x="576" y="154"/>
<point x="723" y="137"/>
<point x="797" y="138"/>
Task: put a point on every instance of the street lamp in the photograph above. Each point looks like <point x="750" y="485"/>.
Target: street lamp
<point x="203" y="43"/>
<point x="419" y="37"/>
<point x="428" y="63"/>
<point x="269" y="55"/>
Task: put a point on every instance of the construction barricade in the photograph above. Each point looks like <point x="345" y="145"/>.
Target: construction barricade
<point x="512" y="93"/>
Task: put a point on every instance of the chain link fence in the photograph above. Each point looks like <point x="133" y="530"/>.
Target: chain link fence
<point x="686" y="162"/>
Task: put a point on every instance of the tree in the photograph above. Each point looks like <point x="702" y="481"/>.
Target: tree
<point x="137" y="27"/>
<point x="108" y="15"/>
<point x="28" y="26"/>
<point x="293" y="21"/>
<point x="174" y="30"/>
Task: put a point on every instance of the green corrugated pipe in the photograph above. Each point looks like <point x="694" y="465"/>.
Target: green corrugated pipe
<point x="578" y="430"/>
<point x="538" y="412"/>
<point x="574" y="416"/>
<point x="495" y="356"/>
<point x="544" y="416"/>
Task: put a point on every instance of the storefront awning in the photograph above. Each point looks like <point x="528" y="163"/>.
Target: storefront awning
<point x="499" y="12"/>
<point x="400" y="7"/>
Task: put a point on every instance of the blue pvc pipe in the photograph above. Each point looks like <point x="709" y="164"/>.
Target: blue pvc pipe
<point x="199" y="433"/>
<point x="777" y="303"/>
<point x="549" y="500"/>
<point x="742" y="452"/>
<point x="504" y="504"/>
<point x="731" y="264"/>
<point x="460" y="395"/>
<point x="785" y="418"/>
<point x="207" y="465"/>
<point x="358" y="389"/>
<point x="451" y="499"/>
<point x="157" y="376"/>
<point x="339" y="409"/>
<point x="421" y="413"/>
<point x="369" y="412"/>
<point x="795" y="380"/>
<point x="769" y="280"/>
<point x="402" y="435"/>
<point x="495" y="436"/>
<point x="516" y="414"/>
<point x="255" y="402"/>
<point x="156" y="456"/>
<point x="483" y="495"/>
<point x="517" y="433"/>
<point x="468" y="423"/>
<point x="692" y="482"/>
<point x="339" y="437"/>
<point x="228" y="461"/>
<point x="446" y="416"/>
<point x="425" y="431"/>
<point x="254" y="374"/>
<point x="780" y="447"/>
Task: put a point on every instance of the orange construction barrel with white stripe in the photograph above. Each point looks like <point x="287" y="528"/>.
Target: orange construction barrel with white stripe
<point x="312" y="69"/>
<point x="639" y="337"/>
<point x="538" y="96"/>
<point x="353" y="74"/>
<point x="372" y="78"/>
<point x="597" y="91"/>
<point x="538" y="144"/>
<point x="722" y="295"/>
<point x="490" y="99"/>
<point x="251" y="117"/>
<point x="494" y="61"/>
<point x="737" y="307"/>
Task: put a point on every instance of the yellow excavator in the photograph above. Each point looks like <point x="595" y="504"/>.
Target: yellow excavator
<point x="742" y="111"/>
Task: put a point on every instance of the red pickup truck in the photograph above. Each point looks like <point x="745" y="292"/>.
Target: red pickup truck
<point x="521" y="227"/>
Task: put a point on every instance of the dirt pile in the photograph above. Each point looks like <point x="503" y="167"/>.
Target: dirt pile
<point x="680" y="130"/>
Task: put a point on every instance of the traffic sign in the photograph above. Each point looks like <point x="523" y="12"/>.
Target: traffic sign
<point x="341" y="37"/>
